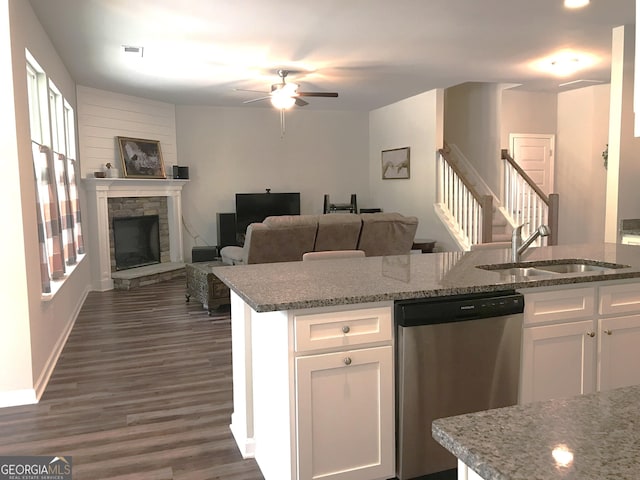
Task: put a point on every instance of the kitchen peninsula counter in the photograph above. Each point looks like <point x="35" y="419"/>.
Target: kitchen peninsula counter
<point x="314" y="339"/>
<point x="295" y="285"/>
<point x="590" y="437"/>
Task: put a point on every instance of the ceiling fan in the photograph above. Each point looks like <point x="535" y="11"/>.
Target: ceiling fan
<point x="285" y="95"/>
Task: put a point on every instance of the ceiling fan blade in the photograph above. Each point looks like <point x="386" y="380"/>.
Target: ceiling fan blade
<point x="301" y="103"/>
<point x="256" y="99"/>
<point x="318" y="94"/>
<point x="247" y="90"/>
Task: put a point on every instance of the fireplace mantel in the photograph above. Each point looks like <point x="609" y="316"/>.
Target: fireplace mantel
<point x="96" y="218"/>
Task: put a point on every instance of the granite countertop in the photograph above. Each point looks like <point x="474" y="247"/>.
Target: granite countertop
<point x="293" y="285"/>
<point x="590" y="437"/>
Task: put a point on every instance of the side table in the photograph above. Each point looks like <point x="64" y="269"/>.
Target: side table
<point x="204" y="286"/>
<point x="425" y="245"/>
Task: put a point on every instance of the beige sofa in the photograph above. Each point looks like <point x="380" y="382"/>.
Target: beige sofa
<point x="286" y="238"/>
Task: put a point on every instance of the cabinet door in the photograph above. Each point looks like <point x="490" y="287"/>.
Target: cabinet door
<point x="558" y="361"/>
<point x="344" y="409"/>
<point x="619" y="357"/>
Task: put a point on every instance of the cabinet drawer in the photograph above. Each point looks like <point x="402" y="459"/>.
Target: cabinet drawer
<point x="617" y="299"/>
<point x="342" y="329"/>
<point x="560" y="305"/>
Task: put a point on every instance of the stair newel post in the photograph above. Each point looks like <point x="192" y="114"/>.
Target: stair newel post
<point x="440" y="177"/>
<point x="554" y="203"/>
<point x="487" y="218"/>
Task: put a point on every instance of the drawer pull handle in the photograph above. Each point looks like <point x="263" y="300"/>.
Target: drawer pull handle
<point x="346" y="329"/>
<point x="347" y="361"/>
<point x="591" y="334"/>
<point x="608" y="332"/>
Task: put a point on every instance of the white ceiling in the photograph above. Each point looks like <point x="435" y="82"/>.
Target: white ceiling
<point x="373" y="52"/>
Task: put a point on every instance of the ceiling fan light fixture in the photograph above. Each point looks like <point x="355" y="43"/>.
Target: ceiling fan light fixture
<point x="576" y="3"/>
<point x="282" y="100"/>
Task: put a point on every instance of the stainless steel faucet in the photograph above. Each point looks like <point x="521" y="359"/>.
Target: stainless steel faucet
<point x="518" y="246"/>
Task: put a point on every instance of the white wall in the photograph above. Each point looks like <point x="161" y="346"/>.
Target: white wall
<point x="472" y="122"/>
<point x="583" y="122"/>
<point x="234" y="150"/>
<point x="103" y="116"/>
<point x="527" y="112"/>
<point x="623" y="176"/>
<point x="415" y="122"/>
<point x="15" y="375"/>
<point x="48" y="322"/>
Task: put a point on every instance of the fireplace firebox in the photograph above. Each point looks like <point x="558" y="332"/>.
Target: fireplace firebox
<point x="136" y="241"/>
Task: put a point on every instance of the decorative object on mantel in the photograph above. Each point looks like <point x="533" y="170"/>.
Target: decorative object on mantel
<point x="395" y="163"/>
<point x="99" y="174"/>
<point x="141" y="158"/>
<point x="111" y="171"/>
<point x="605" y="155"/>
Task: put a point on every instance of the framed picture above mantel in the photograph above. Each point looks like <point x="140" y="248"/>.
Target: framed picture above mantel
<point x="141" y="158"/>
<point x="395" y="163"/>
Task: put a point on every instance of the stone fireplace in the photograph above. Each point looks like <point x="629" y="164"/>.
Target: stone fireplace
<point x="124" y="197"/>
<point x="136" y="241"/>
<point x="124" y="211"/>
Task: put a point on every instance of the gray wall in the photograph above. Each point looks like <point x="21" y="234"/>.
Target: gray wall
<point x="233" y="150"/>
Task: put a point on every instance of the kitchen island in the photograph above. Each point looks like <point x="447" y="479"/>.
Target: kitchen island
<point x="312" y="346"/>
<point x="590" y="437"/>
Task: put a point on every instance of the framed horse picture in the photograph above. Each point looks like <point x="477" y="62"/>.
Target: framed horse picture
<point x="141" y="158"/>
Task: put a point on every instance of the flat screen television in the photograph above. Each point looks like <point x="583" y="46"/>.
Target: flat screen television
<point x="255" y="207"/>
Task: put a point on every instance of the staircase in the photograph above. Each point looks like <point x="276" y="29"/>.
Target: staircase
<point x="475" y="216"/>
<point x="466" y="205"/>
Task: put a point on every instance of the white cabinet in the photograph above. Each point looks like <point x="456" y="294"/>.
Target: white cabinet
<point x="619" y="352"/>
<point x="570" y="347"/>
<point x="557" y="361"/>
<point x="323" y="393"/>
<point x="345" y="414"/>
<point x="619" y="336"/>
<point x="559" y="344"/>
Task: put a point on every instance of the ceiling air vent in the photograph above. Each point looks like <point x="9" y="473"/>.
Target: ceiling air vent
<point x="132" y="49"/>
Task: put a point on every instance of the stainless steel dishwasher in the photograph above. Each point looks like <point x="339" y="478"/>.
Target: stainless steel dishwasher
<point x="455" y="355"/>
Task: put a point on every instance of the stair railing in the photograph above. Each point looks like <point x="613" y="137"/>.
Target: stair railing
<point x="525" y="203"/>
<point x="470" y="211"/>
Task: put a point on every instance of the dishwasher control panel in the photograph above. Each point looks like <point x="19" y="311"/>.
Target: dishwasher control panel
<point x="427" y="311"/>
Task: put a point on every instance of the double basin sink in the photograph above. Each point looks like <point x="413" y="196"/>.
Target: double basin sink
<point x="552" y="267"/>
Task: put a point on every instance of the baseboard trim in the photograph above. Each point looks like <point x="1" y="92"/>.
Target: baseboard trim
<point x="247" y="446"/>
<point x="47" y="371"/>
<point x="14" y="398"/>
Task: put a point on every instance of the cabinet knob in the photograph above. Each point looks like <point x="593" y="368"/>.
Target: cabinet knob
<point x="608" y="332"/>
<point x="346" y="329"/>
<point x="591" y="334"/>
<point x="347" y="361"/>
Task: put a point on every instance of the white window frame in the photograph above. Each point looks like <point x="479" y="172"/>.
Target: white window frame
<point x="52" y="124"/>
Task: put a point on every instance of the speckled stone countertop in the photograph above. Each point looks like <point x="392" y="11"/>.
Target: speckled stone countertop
<point x="590" y="437"/>
<point x="294" y="285"/>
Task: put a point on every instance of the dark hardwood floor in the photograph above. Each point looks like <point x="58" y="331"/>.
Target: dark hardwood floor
<point x="141" y="391"/>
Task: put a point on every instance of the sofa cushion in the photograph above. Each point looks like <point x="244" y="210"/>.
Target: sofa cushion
<point x="338" y="231"/>
<point x="387" y="234"/>
<point x="283" y="238"/>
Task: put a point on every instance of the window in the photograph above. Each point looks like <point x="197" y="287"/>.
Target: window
<point x="53" y="146"/>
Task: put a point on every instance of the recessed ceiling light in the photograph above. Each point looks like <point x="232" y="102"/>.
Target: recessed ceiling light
<point x="133" y="50"/>
<point x="576" y="3"/>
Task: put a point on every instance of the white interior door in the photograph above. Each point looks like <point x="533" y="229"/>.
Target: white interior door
<point x="535" y="154"/>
